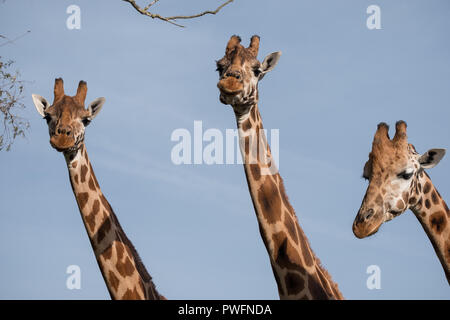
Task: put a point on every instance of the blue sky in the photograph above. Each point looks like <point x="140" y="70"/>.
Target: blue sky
<point x="194" y="225"/>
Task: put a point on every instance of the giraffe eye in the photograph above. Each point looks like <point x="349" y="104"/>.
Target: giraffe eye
<point x="256" y="71"/>
<point x="86" y="121"/>
<point x="405" y="175"/>
<point x="219" y="69"/>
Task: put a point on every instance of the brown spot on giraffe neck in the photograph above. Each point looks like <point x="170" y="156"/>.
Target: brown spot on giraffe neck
<point x="82" y="198"/>
<point x="286" y="256"/>
<point x="427" y="203"/>
<point x="427" y="187"/>
<point x="75" y="178"/>
<point x="246" y="125"/>
<point x="84" y="170"/>
<point x="107" y="254"/>
<point x="131" y="295"/>
<point x="125" y="268"/>
<point x="255" y="171"/>
<point x="434" y="197"/>
<point x="113" y="280"/>
<point x="91" y="184"/>
<point x="103" y="230"/>
<point x="438" y="221"/>
<point x="246" y="147"/>
<point x="269" y="200"/>
<point x="294" y="283"/>
<point x="74" y="164"/>
<point x="290" y="227"/>
<point x="119" y="251"/>
<point x="90" y="218"/>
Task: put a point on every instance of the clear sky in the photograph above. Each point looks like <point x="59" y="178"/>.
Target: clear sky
<point x="194" y="225"/>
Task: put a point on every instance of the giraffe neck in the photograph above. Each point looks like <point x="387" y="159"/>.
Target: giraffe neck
<point x="122" y="269"/>
<point x="297" y="270"/>
<point x="434" y="216"/>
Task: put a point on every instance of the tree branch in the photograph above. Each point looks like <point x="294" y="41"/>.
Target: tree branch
<point x="13" y="40"/>
<point x="11" y="90"/>
<point x="145" y="12"/>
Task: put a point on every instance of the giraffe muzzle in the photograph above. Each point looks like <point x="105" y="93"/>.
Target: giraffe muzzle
<point x="62" y="141"/>
<point x="230" y="86"/>
<point x="367" y="222"/>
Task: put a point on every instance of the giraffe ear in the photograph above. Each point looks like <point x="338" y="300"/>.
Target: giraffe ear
<point x="95" y="107"/>
<point x="431" y="158"/>
<point x="40" y="103"/>
<point x="269" y="63"/>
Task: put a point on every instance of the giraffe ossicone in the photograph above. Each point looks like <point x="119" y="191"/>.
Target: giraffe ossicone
<point x="297" y="271"/>
<point x="120" y="265"/>
<point x="398" y="182"/>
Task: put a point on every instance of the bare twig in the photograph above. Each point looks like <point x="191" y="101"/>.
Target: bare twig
<point x="11" y="90"/>
<point x="13" y="40"/>
<point x="11" y="100"/>
<point x="171" y="20"/>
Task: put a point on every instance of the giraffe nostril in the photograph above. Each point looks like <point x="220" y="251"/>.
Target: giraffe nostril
<point x="58" y="130"/>
<point x="234" y="74"/>
<point x="368" y="214"/>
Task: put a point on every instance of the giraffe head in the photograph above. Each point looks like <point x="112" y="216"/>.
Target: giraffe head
<point x="240" y="71"/>
<point x="394" y="169"/>
<point x="67" y="117"/>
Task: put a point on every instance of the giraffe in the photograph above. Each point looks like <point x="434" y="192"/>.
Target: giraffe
<point x="398" y="182"/>
<point x="121" y="267"/>
<point x="297" y="271"/>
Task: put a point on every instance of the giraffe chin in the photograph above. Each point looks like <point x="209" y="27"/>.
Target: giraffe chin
<point x="231" y="99"/>
<point x="62" y="145"/>
<point x="363" y="228"/>
<point x="364" y="233"/>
